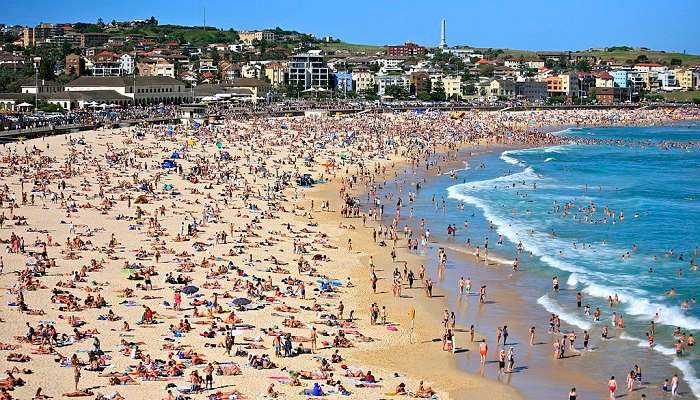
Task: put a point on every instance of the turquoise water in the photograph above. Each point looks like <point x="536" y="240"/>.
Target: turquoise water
<point x="598" y="216"/>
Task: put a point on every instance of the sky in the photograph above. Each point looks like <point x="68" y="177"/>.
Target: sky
<point x="669" y="25"/>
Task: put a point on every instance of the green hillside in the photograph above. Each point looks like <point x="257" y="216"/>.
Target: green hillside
<point x="196" y="35"/>
<point x="358" y="49"/>
<point x="626" y="54"/>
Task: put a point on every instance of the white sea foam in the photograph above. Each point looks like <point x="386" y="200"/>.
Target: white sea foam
<point x="551" y="306"/>
<point x="562" y="148"/>
<point x="506" y="157"/>
<point x="548" y="159"/>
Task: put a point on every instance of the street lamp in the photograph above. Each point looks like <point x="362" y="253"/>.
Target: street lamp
<point x="37" y="63"/>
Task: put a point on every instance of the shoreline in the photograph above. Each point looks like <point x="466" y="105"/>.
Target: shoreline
<point x="445" y="371"/>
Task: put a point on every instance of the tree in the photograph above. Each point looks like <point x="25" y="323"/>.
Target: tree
<point x="438" y="92"/>
<point x="46" y="69"/>
<point x="583" y="66"/>
<point x="696" y="100"/>
<point x="676" y="61"/>
<point x="369" y="94"/>
<point x="396" y="91"/>
<point x="642" y="58"/>
<point x="424" y="97"/>
<point x="486" y="69"/>
<point x="482" y="91"/>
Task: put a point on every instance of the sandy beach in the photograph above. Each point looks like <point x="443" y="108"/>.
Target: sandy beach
<point x="172" y="262"/>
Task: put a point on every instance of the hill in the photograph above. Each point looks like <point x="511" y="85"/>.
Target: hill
<point x="197" y="35"/>
<point x="629" y="54"/>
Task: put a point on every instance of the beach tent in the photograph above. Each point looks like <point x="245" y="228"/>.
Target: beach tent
<point x="189" y="289"/>
<point x="168" y="186"/>
<point x="168" y="164"/>
<point x="175" y="155"/>
<point x="219" y="145"/>
<point x="225" y="155"/>
<point x="241" y="301"/>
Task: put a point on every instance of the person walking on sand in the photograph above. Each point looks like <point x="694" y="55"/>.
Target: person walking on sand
<point x="612" y="386"/>
<point x="314" y="338"/>
<point x="412" y="320"/>
<point x="76" y="373"/>
<point x="483" y="350"/>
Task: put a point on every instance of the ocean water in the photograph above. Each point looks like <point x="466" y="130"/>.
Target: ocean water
<point x="597" y="216"/>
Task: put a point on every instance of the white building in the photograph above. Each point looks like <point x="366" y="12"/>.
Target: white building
<point x="143" y="89"/>
<point x="127" y="63"/>
<point x="363" y="79"/>
<point x="384" y="80"/>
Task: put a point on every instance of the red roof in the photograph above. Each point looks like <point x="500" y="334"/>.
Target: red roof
<point x="649" y="65"/>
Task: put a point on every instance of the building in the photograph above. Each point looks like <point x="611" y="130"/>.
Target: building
<point x="384" y="80"/>
<point x="44" y="87"/>
<point x="93" y="39"/>
<point x="11" y="61"/>
<point x="275" y="73"/>
<point x="342" y="82"/>
<point x="71" y="38"/>
<point x="502" y="88"/>
<point x="156" y="67"/>
<point x="253" y="71"/>
<point x="308" y="70"/>
<point x="105" y="63"/>
<point x="563" y="85"/>
<point x="141" y="89"/>
<point x="649" y="67"/>
<point x="419" y="83"/>
<point x="391" y="61"/>
<point x="75" y="65"/>
<point x="40" y="34"/>
<point x="127" y="64"/>
<point x="407" y="49"/>
<point x="687" y="79"/>
<point x="248" y="37"/>
<point x="453" y="86"/>
<point x="603" y="79"/>
<point x="531" y="90"/>
<point x="609" y="95"/>
<point x="667" y="80"/>
<point x="241" y="89"/>
<point x="363" y="79"/>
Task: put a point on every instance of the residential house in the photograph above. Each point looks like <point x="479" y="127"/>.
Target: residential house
<point x="343" y="82"/>
<point x="275" y="72"/>
<point x="382" y="80"/>
<point x="363" y="79"/>
<point x="75" y="65"/>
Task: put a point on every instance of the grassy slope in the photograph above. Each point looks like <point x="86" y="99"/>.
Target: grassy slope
<point x="365" y="49"/>
<point x="682" y="96"/>
<point x="653" y="55"/>
<point x="195" y="35"/>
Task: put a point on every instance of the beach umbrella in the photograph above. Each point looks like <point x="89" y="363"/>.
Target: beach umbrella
<point x="241" y="301"/>
<point x="219" y="145"/>
<point x="189" y="289"/>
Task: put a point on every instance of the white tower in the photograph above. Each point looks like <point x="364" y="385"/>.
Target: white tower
<point x="443" y="34"/>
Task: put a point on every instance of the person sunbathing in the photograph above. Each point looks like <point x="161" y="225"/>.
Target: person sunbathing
<point x="17" y="357"/>
<point x="424" y="392"/>
<point x="291" y="322"/>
